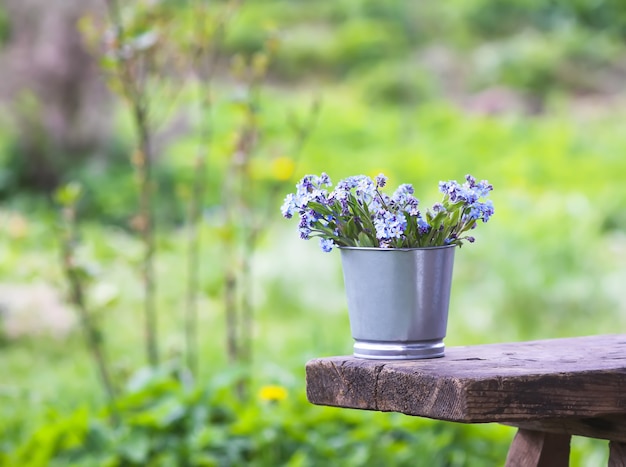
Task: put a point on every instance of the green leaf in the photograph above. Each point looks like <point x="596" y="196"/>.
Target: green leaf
<point x="135" y="448"/>
<point x="104" y="295"/>
<point x="320" y="208"/>
<point x="68" y="195"/>
<point x="351" y="230"/>
<point x="365" y="241"/>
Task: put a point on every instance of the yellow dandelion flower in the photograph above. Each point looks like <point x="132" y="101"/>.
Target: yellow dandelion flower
<point x="282" y="168"/>
<point x="272" y="393"/>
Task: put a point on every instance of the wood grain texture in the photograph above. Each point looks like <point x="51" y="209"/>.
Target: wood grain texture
<point x="610" y="427"/>
<point x="617" y="454"/>
<point x="536" y="449"/>
<point x="573" y="378"/>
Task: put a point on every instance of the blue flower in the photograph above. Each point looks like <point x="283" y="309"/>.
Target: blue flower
<point x="326" y="244"/>
<point x="348" y="183"/>
<point x="410" y="205"/>
<point x="487" y="210"/>
<point x="365" y="190"/>
<point x="304" y="229"/>
<point x="452" y="238"/>
<point x="389" y="226"/>
<point x="403" y="200"/>
<point x="481" y="188"/>
<point x="357" y="206"/>
<point x="401" y="192"/>
<point x="306" y="184"/>
<point x="422" y="226"/>
<point x="438" y="207"/>
<point x="481" y="210"/>
<point x="342" y="197"/>
<point x="308" y="218"/>
<point x="289" y="206"/>
<point x="310" y="189"/>
<point x="380" y="202"/>
<point x="456" y="192"/>
<point x="324" y="179"/>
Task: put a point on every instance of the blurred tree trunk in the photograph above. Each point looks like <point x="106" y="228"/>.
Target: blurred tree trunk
<point x="58" y="103"/>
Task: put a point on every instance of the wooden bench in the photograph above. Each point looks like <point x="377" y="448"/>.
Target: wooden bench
<point x="549" y="389"/>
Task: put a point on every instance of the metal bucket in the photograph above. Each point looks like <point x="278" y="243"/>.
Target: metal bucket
<point x="398" y="300"/>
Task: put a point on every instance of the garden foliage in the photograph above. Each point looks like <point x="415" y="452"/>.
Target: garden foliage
<point x="166" y="422"/>
<point x="395" y="78"/>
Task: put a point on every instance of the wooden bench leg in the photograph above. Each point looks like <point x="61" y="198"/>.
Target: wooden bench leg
<point x="538" y="449"/>
<point x="617" y="454"/>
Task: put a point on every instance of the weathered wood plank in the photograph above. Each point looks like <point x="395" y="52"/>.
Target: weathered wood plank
<point x="609" y="427"/>
<point x="617" y="454"/>
<point x="536" y="449"/>
<point x="578" y="378"/>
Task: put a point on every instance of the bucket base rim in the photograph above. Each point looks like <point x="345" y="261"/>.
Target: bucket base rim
<point x="382" y="350"/>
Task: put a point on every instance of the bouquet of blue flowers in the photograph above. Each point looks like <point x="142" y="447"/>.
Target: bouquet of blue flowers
<point x="357" y="213"/>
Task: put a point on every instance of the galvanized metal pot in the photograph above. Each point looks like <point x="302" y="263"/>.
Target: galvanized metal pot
<point x="398" y="300"/>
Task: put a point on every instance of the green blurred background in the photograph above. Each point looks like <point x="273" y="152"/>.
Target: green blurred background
<point x="525" y="93"/>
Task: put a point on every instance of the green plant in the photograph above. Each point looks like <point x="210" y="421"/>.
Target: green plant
<point x="166" y="422"/>
<point x="5" y="26"/>
<point x="78" y="278"/>
<point x="205" y="47"/>
<point x="247" y="197"/>
<point x="396" y="84"/>
<point x="133" y="56"/>
<point x="522" y="280"/>
<point x="358" y="214"/>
